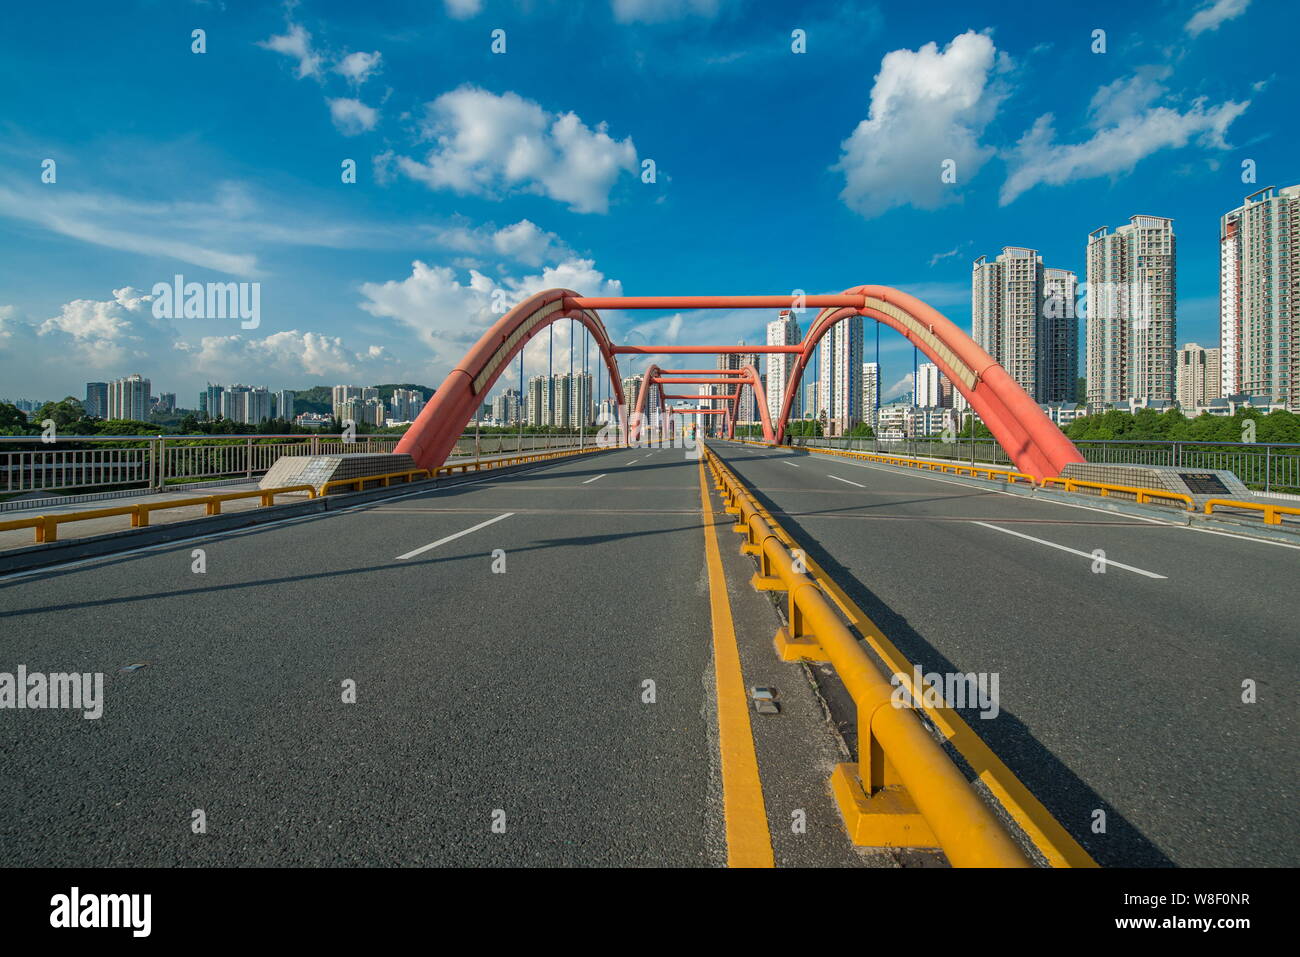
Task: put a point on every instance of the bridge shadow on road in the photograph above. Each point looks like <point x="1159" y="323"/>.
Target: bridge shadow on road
<point x="1068" y="798"/>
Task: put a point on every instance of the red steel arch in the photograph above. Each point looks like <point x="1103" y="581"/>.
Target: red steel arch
<point x="1029" y="437"/>
<point x="636" y="423"/>
<point x="433" y="434"/>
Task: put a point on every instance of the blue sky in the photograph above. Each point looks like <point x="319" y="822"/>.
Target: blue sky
<point x="517" y="171"/>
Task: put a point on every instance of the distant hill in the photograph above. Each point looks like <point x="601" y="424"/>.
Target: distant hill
<point x="319" y="398"/>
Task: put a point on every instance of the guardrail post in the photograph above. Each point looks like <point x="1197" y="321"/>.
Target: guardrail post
<point x="794" y="641"/>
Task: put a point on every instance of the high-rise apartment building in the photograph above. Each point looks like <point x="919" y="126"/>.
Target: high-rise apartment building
<point x="926" y="387"/>
<point x="1058" y="337"/>
<point x="251" y="406"/>
<point x="128" y="398"/>
<point x="210" y="400"/>
<point x="1198" y="378"/>
<point x="96" y="404"/>
<point x="405" y="404"/>
<point x="870" y="392"/>
<point x="1022" y="314"/>
<point x="505" y="407"/>
<point x="345" y="393"/>
<point x="166" y="402"/>
<point x="367" y="411"/>
<point x="234" y="403"/>
<point x="284" y="405"/>
<point x="558" y="401"/>
<point x="839" y="376"/>
<point x="1259" y="296"/>
<point x="782" y="331"/>
<point x="258" y="407"/>
<point x="535" y="410"/>
<point x="747" y="406"/>
<point x="1132" y="313"/>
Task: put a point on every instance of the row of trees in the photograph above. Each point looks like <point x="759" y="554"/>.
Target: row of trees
<point x="1173" y="426"/>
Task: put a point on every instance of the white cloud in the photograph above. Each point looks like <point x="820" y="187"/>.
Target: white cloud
<point x="939" y="257"/>
<point x="102" y="335"/>
<point x="351" y="116"/>
<point x="449" y="315"/>
<point x="489" y="144"/>
<point x="463" y="9"/>
<point x="659" y="11"/>
<point x="287" y="356"/>
<point x="297" y="44"/>
<point x="168" y="230"/>
<point x="1213" y="15"/>
<point x="214" y="232"/>
<point x="523" y="242"/>
<point x="526" y="243"/>
<point x="927" y="107"/>
<point x="358" y="67"/>
<point x="1127" y="96"/>
<point x="898" y="388"/>
<point x="1128" y="129"/>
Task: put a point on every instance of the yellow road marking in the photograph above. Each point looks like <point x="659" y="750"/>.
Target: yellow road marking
<point x="749" y="844"/>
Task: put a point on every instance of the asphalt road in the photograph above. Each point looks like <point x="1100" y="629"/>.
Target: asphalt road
<point x="1119" y="691"/>
<point x="482" y="696"/>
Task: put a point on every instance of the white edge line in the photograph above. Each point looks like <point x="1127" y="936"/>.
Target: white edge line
<point x="1073" y="551"/>
<point x="451" y="538"/>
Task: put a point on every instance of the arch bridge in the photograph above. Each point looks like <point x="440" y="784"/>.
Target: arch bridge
<point x="1031" y="440"/>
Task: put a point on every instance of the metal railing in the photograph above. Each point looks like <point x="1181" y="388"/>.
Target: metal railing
<point x="1269" y="466"/>
<point x="157" y="461"/>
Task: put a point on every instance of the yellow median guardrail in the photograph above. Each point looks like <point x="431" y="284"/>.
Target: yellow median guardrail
<point x="903" y="791"/>
<point x="47" y="526"/>
<point x="1272" y="513"/>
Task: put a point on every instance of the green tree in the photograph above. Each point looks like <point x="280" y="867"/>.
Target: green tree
<point x="64" y="413"/>
<point x="12" y="420"/>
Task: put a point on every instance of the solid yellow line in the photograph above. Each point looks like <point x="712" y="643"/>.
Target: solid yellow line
<point x="749" y="844"/>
